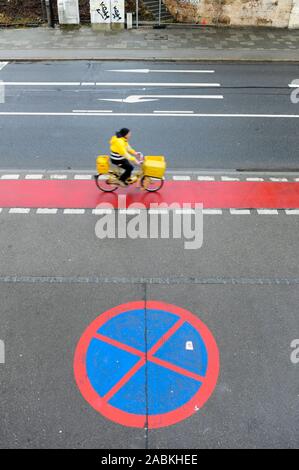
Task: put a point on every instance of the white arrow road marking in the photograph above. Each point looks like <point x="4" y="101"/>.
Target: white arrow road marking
<point x="161" y="71"/>
<point x="143" y="98"/>
<point x="2" y="65"/>
<point x="129" y="99"/>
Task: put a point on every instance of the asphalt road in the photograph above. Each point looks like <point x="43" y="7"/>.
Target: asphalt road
<point x="251" y="127"/>
<point x="243" y="283"/>
<point x="56" y="276"/>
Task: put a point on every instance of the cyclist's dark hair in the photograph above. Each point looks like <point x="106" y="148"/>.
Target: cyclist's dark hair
<point x="122" y="132"/>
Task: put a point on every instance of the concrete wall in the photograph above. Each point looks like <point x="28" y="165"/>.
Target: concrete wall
<point x="294" y="16"/>
<point x="276" y="13"/>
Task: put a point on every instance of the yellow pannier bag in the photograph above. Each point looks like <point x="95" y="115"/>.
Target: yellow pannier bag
<point x="154" y="166"/>
<point x="102" y="164"/>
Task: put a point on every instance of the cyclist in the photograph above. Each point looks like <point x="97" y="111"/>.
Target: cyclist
<point x="121" y="154"/>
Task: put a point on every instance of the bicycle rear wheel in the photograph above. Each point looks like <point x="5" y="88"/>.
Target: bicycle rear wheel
<point x="151" y="184"/>
<point x="102" y="182"/>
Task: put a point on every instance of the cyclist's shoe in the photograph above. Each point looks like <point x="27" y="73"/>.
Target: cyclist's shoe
<point x="132" y="179"/>
<point x="122" y="184"/>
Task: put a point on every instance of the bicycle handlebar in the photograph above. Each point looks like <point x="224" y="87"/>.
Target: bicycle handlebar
<point x="139" y="157"/>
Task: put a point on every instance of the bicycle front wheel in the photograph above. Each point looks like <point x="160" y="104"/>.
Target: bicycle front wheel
<point x="105" y="183"/>
<point x="151" y="184"/>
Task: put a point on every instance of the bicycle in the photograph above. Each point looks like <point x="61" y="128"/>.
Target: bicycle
<point x="150" y="176"/>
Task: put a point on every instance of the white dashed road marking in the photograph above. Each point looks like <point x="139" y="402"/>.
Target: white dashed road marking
<point x="267" y="211"/>
<point x="82" y="177"/>
<point x="255" y="179"/>
<point x="58" y="177"/>
<point x="34" y="177"/>
<point x="292" y="211"/>
<point x="205" y="178"/>
<point x="129" y="211"/>
<point x="10" y="177"/>
<point x="279" y="180"/>
<point x="181" y="178"/>
<point x="19" y="210"/>
<point x="74" y="211"/>
<point x="229" y="178"/>
<point x="212" y="211"/>
<point x="101" y="211"/>
<point x="175" y="175"/>
<point x="157" y="211"/>
<point x="185" y="211"/>
<point x="239" y="211"/>
<point x="46" y="211"/>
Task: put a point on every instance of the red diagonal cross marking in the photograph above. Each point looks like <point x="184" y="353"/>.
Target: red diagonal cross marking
<point x="149" y="356"/>
<point x="120" y="345"/>
<point x="124" y="379"/>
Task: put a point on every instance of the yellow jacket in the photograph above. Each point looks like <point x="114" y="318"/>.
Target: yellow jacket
<point x="121" y="146"/>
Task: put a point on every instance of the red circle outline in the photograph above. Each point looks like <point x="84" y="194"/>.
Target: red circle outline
<point x="154" y="421"/>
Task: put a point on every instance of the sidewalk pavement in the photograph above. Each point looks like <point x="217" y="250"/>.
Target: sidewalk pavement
<point x="171" y="44"/>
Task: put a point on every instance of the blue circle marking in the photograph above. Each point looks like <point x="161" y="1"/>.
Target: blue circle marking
<point x="156" y="387"/>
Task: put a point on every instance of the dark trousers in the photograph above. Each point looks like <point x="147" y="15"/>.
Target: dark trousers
<point x="125" y="165"/>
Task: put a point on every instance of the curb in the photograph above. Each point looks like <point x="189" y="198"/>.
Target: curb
<point x="268" y="56"/>
<point x="152" y="59"/>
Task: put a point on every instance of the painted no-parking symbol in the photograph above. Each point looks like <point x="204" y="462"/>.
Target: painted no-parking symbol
<point x="146" y="364"/>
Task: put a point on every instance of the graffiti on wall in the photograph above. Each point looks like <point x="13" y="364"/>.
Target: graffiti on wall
<point x="100" y="11"/>
<point x="103" y="11"/>
<point x="118" y="11"/>
<point x="107" y="11"/>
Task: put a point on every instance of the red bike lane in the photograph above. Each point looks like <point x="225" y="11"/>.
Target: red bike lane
<point x="85" y="194"/>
